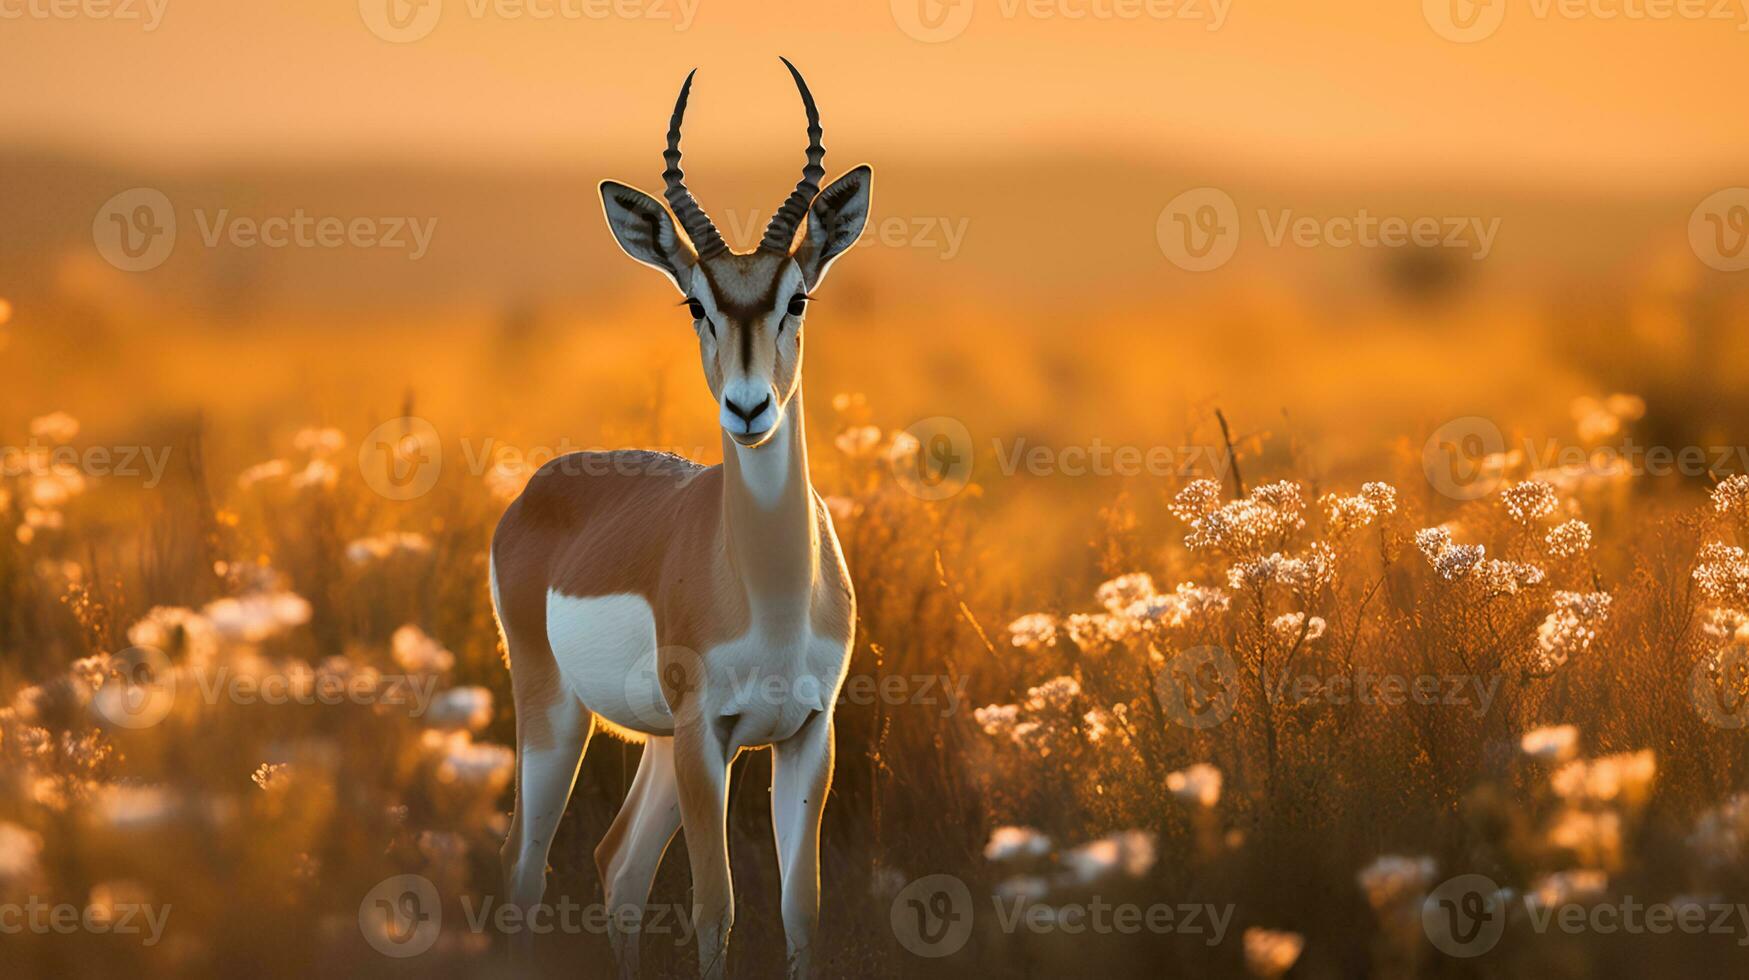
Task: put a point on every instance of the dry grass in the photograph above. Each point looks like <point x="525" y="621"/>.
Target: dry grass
<point x="264" y="870"/>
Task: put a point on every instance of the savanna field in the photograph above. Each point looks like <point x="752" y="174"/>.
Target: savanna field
<point x="1292" y="461"/>
<point x="1241" y="699"/>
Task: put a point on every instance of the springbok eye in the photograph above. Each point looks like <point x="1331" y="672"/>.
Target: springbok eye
<point x="798" y="304"/>
<point x="696" y="308"/>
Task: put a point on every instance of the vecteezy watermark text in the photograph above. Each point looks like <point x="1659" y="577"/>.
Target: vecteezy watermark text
<point x="147" y="13"/>
<point x="136" y="230"/>
<point x="42" y="918"/>
<point x="1200" y="688"/>
<point x="1466" y="915"/>
<point x="406" y="21"/>
<point x="402" y="916"/>
<point x="1200" y="230"/>
<point x="145" y="690"/>
<point x="1469" y="21"/>
<point x="35" y="459"/>
<point x="935" y="21"/>
<point x="1468" y="458"/>
<point x="933" y="916"/>
<point x="1099" y="458"/>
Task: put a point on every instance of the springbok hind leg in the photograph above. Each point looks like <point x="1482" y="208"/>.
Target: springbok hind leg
<point x="552" y="732"/>
<point x="632" y="849"/>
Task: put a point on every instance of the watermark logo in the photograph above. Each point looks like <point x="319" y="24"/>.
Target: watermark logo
<point x="139" y="692"/>
<point x="1456" y="458"/>
<point x="401" y="21"/>
<point x="1464" y="21"/>
<point x="402" y="458"/>
<point x="933" y="21"/>
<point x="1465" y="916"/>
<point x="401" y="916"/>
<point x="1199" y="688"/>
<point x="1718" y="229"/>
<point x="135" y="231"/>
<point x="675" y="677"/>
<point x="937" y="458"/>
<point x="1717" y="687"/>
<point x="1199" y="229"/>
<point x="932" y="916"/>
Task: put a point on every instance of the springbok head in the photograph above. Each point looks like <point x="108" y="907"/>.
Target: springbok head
<point x="746" y="307"/>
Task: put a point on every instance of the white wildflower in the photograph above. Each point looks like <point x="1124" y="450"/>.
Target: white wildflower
<point x="1566" y="888"/>
<point x="20" y="854"/>
<point x="319" y="442"/>
<point x="55" y="427"/>
<point x="273" y="469"/>
<point x="1288" y="626"/>
<point x="380" y="547"/>
<point x="1014" y="843"/>
<point x="858" y="441"/>
<point x="1625" y="777"/>
<point x="467" y="708"/>
<point x="1731" y="496"/>
<point x="1124" y="591"/>
<point x="257" y="616"/>
<point x="1722" y="573"/>
<point x="1530" y="501"/>
<point x="1198" y="784"/>
<point x="1243" y="528"/>
<point x="1056" y="694"/>
<point x="1394" y="880"/>
<point x="1269" y="953"/>
<point x="1550" y="743"/>
<point x="1033" y="632"/>
<point x="1130" y="852"/>
<point x="1570" y="539"/>
<point x="1569" y="629"/>
<point x="418" y="653"/>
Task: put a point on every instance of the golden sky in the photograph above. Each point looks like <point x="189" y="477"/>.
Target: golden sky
<point x="1361" y="87"/>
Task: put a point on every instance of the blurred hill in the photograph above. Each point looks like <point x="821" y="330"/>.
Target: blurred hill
<point x="1062" y="230"/>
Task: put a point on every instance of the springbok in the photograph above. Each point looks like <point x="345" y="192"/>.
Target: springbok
<point x="699" y="610"/>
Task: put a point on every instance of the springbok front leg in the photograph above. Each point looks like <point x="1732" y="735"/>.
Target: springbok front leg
<point x="632" y="849"/>
<point x="701" y="769"/>
<point x="801" y="774"/>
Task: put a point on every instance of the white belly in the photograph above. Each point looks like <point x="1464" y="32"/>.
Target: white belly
<point x="607" y="653"/>
<point x="606" y="650"/>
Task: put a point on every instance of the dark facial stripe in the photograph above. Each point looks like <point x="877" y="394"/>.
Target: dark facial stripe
<point x="747" y="345"/>
<point x="744" y="317"/>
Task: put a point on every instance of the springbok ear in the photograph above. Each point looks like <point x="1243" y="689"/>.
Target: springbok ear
<point x="835" y="221"/>
<point x="643" y="227"/>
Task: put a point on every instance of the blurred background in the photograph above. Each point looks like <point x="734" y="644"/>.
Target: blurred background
<point x="244" y="237"/>
<point x="1028" y="155"/>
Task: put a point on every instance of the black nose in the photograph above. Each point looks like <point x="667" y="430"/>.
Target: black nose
<point x="747" y="414"/>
